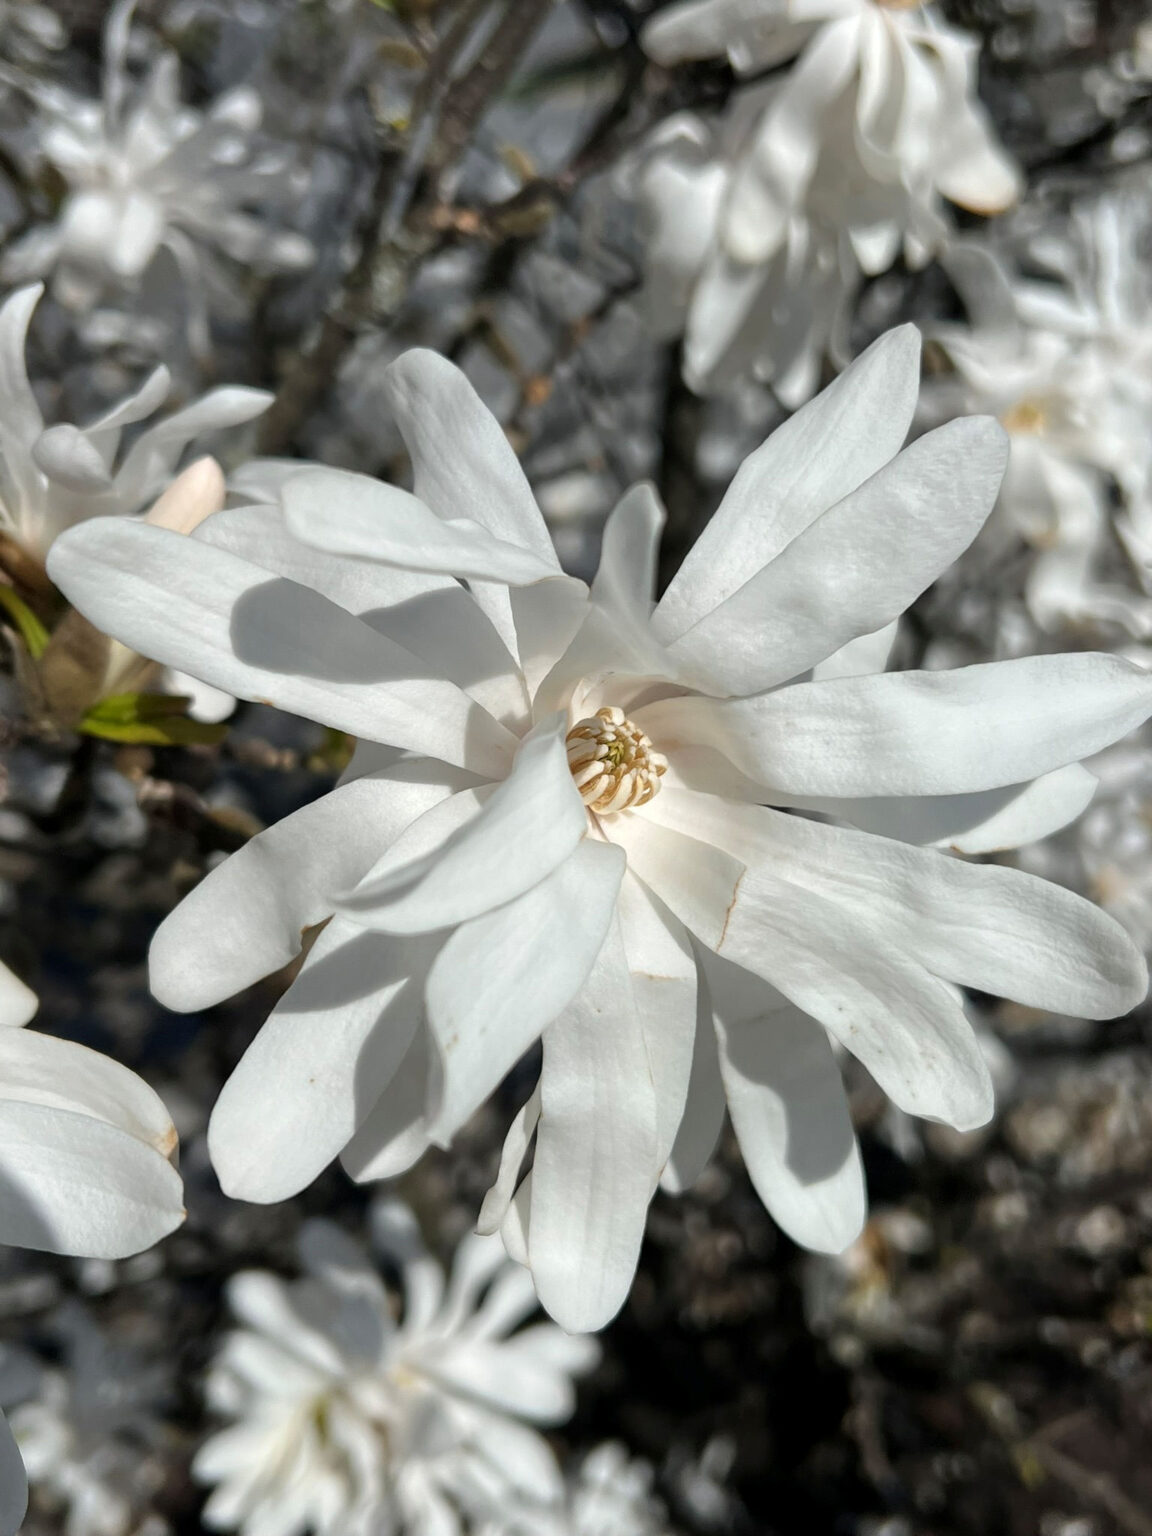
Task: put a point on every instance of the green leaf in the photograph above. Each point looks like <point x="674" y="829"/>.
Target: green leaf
<point x="149" y="719"/>
<point x="34" y="635"/>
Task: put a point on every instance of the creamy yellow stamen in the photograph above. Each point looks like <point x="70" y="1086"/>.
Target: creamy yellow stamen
<point x="614" y="765"/>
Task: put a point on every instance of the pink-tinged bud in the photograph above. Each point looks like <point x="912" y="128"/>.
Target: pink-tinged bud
<point x="192" y="496"/>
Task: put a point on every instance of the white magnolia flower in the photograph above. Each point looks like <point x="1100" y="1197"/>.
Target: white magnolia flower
<point x="85" y="1149"/>
<point x="86" y="1429"/>
<point x="775" y="317"/>
<point x="146" y="173"/>
<point x="1067" y="368"/>
<point x="760" y="230"/>
<point x="349" y="1421"/>
<point x="585" y="827"/>
<point x="607" y="1495"/>
<point x="54" y="476"/>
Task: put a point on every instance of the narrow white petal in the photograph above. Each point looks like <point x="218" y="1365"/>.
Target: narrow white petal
<point x="626" y="578"/>
<point x="187" y="605"/>
<point x="501" y="979"/>
<point x="260" y="535"/>
<point x="989" y="821"/>
<point x="662" y="968"/>
<point x="351" y="514"/>
<point x="856" y="568"/>
<point x="980" y="925"/>
<point x="512" y="1155"/>
<point x="319" y="1064"/>
<point x="434" y="404"/>
<point x="788" y="1110"/>
<point x="819" y="456"/>
<point x="917" y="733"/>
<point x="60" y="1074"/>
<point x="519" y="834"/>
<point x="596" y="1154"/>
<point x="703" y="1118"/>
<point x="394" y="1133"/>
<point x="70" y="1183"/>
<point x="907" y="1027"/>
<point x="248" y="916"/>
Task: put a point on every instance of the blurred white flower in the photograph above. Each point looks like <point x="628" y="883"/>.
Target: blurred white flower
<point x="28" y="30"/>
<point x="146" y="173"/>
<point x="1108" y="853"/>
<point x="607" y="1495"/>
<point x="759" y="230"/>
<point x="776" y="319"/>
<point x="85" y="1164"/>
<point x="351" y="1421"/>
<point x="86" y="1431"/>
<point x="583" y="825"/>
<point x="1067" y="368"/>
<point x="54" y="476"/>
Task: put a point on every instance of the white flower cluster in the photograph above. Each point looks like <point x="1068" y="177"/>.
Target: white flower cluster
<point x="147" y="174"/>
<point x="762" y="224"/>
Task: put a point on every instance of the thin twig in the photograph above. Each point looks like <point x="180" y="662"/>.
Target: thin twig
<point x="446" y="114"/>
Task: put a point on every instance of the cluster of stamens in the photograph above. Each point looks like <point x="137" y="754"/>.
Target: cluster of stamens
<point x="614" y="765"/>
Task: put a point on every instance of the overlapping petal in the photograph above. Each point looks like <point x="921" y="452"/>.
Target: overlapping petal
<point x="201" y="609"/>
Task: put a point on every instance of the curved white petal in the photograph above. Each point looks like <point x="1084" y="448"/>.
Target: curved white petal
<point x="187" y="605"/>
<point x="856" y="568"/>
<point x="789" y="1111"/>
<point x="625" y="580"/>
<point x="501" y="979"/>
<point x="260" y="535"/>
<point x="520" y="833"/>
<point x="662" y="968"/>
<point x="70" y="1183"/>
<point x="916" y="733"/>
<point x="479" y="476"/>
<point x="395" y="1132"/>
<point x="703" y="1118"/>
<point x="351" y="514"/>
<point x="319" y="1064"/>
<point x="61" y="1074"/>
<point x="596" y="1161"/>
<point x="979" y="925"/>
<point x="907" y="1027"/>
<point x="819" y="456"/>
<point x="989" y="821"/>
<point x="248" y="916"/>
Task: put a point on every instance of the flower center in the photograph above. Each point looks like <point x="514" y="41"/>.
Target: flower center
<point x="1026" y="416"/>
<point x="614" y="765"/>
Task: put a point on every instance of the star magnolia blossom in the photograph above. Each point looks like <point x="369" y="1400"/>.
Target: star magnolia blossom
<point x="1067" y="367"/>
<point x="762" y="228"/>
<point x="349" y="1421"/>
<point x="698" y="942"/>
<point x="85" y="1168"/>
<point x="147" y="173"/>
<point x="54" y="476"/>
